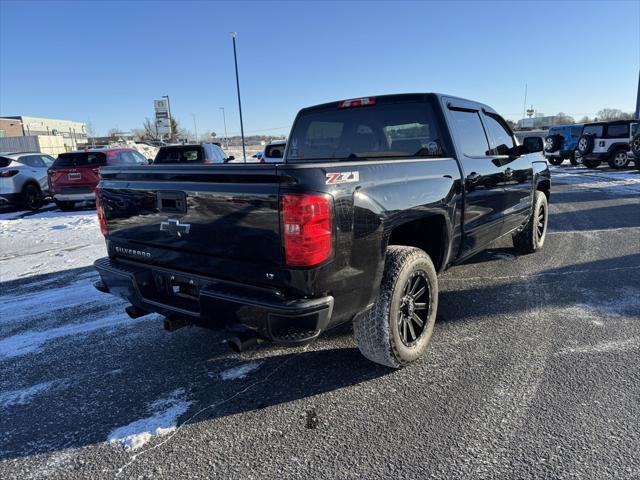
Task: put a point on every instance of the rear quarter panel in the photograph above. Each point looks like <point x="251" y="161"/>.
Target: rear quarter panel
<point x="387" y="194"/>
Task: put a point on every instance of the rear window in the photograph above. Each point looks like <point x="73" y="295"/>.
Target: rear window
<point x="382" y="130"/>
<point x="618" y="131"/>
<point x="79" y="159"/>
<point x="592" y="130"/>
<point x="179" y="155"/>
<point x="556" y="131"/>
<point x="4" y="162"/>
<point x="274" y="151"/>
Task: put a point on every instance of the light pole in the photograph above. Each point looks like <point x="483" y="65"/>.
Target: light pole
<point x="195" y="127"/>
<point x="224" y="119"/>
<point x="235" y="60"/>
<point x="169" y="112"/>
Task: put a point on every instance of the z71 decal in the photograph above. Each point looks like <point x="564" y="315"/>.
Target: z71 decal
<point x="342" y="177"/>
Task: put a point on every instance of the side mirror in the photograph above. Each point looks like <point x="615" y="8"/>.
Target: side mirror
<point x="230" y="157"/>
<point x="150" y="160"/>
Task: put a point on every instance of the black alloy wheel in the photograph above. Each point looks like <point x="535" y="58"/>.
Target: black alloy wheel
<point x="414" y="308"/>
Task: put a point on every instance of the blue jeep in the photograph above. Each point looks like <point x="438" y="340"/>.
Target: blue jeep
<point x="561" y="144"/>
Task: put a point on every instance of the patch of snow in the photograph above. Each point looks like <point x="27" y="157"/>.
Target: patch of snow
<point x="15" y="308"/>
<point x="162" y="420"/>
<point x="59" y="241"/>
<point x="32" y="341"/>
<point x="241" y="371"/>
<point x="25" y="395"/>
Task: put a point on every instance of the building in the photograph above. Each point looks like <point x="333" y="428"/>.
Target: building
<point x="73" y="133"/>
<point x="537" y="122"/>
<point x="10" y="128"/>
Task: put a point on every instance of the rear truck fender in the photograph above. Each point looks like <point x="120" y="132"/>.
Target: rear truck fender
<point x="425" y="213"/>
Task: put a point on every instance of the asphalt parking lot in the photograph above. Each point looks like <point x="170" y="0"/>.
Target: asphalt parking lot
<point x="532" y="372"/>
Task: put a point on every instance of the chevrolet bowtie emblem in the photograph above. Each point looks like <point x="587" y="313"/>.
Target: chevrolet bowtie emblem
<point x="173" y="225"/>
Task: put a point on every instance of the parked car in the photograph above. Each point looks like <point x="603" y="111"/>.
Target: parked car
<point x="274" y="151"/>
<point x="23" y="179"/>
<point x="608" y="141"/>
<point x="192" y="154"/>
<point x="374" y="197"/>
<point x="73" y="177"/>
<point x="561" y="144"/>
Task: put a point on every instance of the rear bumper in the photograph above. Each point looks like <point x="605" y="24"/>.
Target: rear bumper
<point x="215" y="303"/>
<point x="74" y="197"/>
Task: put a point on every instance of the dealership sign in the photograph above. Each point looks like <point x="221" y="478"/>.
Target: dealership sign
<point x="163" y="122"/>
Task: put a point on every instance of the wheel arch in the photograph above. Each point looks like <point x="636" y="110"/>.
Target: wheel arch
<point x="430" y="233"/>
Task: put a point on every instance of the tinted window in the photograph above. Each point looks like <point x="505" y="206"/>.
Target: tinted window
<point x="220" y="153"/>
<point x="576" y="132"/>
<point x="533" y="144"/>
<point x="78" y="159"/>
<point x="618" y="131"/>
<point x="180" y="154"/>
<point x="48" y="161"/>
<point x="124" y="158"/>
<point x="139" y="158"/>
<point x="470" y="133"/>
<point x="382" y="130"/>
<point x="4" y="161"/>
<point x="500" y="137"/>
<point x="274" y="151"/>
<point x="556" y="131"/>
<point x="592" y="130"/>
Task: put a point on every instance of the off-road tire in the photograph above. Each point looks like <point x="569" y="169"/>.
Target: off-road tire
<point x="31" y="197"/>
<point x="616" y="159"/>
<point x="531" y="238"/>
<point x="575" y="158"/>
<point x="65" y="206"/>
<point x="635" y="147"/>
<point x="586" y="144"/>
<point x="552" y="143"/>
<point x="377" y="332"/>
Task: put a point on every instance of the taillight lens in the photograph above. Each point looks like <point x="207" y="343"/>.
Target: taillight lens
<point x="9" y="173"/>
<point x="100" y="209"/>
<point x="357" y="102"/>
<point x="307" y="233"/>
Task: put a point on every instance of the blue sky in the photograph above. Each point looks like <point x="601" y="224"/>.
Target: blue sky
<point x="107" y="61"/>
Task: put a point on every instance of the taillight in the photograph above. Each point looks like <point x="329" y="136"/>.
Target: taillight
<point x="9" y="173"/>
<point x="100" y="209"/>
<point x="307" y="236"/>
<point x="357" y="102"/>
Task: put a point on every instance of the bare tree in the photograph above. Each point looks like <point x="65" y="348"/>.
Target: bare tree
<point x="585" y="119"/>
<point x="608" y="114"/>
<point x="113" y="132"/>
<point x="563" y="118"/>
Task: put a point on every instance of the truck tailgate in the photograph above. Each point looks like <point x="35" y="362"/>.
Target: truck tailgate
<point x="200" y="218"/>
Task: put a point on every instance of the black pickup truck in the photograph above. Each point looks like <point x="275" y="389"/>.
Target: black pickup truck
<point x="373" y="198"/>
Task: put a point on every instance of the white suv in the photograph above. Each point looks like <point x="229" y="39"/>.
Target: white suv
<point x="610" y="141"/>
<point x="23" y="179"/>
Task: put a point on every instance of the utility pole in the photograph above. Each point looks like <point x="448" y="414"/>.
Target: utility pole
<point x="235" y="60"/>
<point x="195" y="127"/>
<point x="224" y="119"/>
<point x="638" y="101"/>
<point x="524" y="105"/>
<point x="169" y="112"/>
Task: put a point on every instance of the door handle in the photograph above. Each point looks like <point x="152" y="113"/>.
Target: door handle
<point x="473" y="177"/>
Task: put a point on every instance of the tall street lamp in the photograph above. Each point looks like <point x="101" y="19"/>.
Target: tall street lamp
<point x="224" y="119"/>
<point x="169" y="112"/>
<point x="235" y="60"/>
<point x="195" y="126"/>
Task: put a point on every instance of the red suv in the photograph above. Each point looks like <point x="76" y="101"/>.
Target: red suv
<point x="74" y="176"/>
